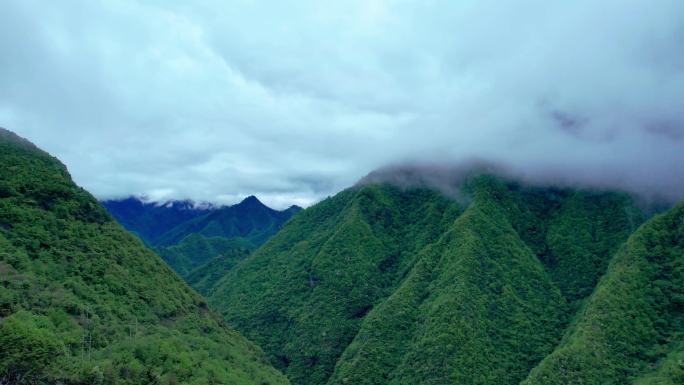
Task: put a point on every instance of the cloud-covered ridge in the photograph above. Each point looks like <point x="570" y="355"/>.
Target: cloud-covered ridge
<point x="449" y="178"/>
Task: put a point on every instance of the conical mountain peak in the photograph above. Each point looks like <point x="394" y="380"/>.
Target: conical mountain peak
<point x="251" y="201"/>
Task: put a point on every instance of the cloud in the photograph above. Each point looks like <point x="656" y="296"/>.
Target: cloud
<point x="293" y="101"/>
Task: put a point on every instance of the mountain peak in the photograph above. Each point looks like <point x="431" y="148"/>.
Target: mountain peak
<point x="294" y="209"/>
<point x="251" y="201"/>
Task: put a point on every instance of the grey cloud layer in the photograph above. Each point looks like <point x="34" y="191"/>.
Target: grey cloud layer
<point x="295" y="100"/>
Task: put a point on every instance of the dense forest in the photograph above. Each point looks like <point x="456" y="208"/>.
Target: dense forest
<point x="504" y="283"/>
<point x="507" y="284"/>
<point x="632" y="327"/>
<point x="82" y="301"/>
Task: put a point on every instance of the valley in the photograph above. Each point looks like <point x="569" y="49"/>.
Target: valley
<point x="503" y="283"/>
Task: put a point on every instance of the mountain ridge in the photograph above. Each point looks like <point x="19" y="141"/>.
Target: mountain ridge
<point x="187" y="236"/>
<point x="337" y="269"/>
<point x="84" y="301"/>
<point x="489" y="280"/>
<point x="150" y="220"/>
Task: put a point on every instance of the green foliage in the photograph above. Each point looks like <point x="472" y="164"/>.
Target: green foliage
<point x="331" y="264"/>
<point x="27" y="345"/>
<point x="82" y="301"/>
<point x="477" y="308"/>
<point x="669" y="371"/>
<point x="582" y="237"/>
<point x="205" y="277"/>
<point x="196" y="250"/>
<point x="380" y="285"/>
<point x="221" y="235"/>
<point x="634" y="318"/>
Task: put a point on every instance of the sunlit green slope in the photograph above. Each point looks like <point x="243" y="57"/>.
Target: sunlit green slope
<point x="381" y="285"/>
<point x="82" y="301"/>
<point x="478" y="307"/>
<point x="632" y="328"/>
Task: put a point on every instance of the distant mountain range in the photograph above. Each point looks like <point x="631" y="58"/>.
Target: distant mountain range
<point x="187" y="235"/>
<point x="150" y="220"/>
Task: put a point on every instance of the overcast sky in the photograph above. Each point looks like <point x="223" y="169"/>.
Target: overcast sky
<point x="294" y="100"/>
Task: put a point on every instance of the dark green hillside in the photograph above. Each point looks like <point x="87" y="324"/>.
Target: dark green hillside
<point x="668" y="371"/>
<point x="478" y="308"/>
<point x="574" y="233"/>
<point x="582" y="237"/>
<point x="385" y="285"/>
<point x="205" y="277"/>
<point x="82" y="301"/>
<point x="326" y="269"/>
<point x="196" y="250"/>
<point x="633" y="325"/>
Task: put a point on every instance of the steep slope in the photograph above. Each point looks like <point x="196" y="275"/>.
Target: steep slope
<point x="150" y="220"/>
<point x="385" y="285"/>
<point x="477" y="308"/>
<point x="204" y="278"/>
<point x="82" y="301"/>
<point x="632" y="328"/>
<point x="582" y="237"/>
<point x="326" y="270"/>
<point x="196" y="250"/>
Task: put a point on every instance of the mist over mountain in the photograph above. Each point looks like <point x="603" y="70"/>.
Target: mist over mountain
<point x="469" y="192"/>
<point x="448" y="178"/>
<point x="150" y="220"/>
<point x="393" y="282"/>
<point x="413" y="276"/>
<point x="261" y="102"/>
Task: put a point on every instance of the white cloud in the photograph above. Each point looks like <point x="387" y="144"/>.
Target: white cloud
<point x="295" y="100"/>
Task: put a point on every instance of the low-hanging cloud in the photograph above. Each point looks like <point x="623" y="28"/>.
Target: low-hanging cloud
<point x="294" y="100"/>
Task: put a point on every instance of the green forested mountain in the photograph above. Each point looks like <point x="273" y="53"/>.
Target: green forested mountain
<point x="205" y="277"/>
<point x="196" y="250"/>
<point x="504" y="284"/>
<point x="386" y="285"/>
<point x="82" y="301"/>
<point x="188" y="237"/>
<point x="632" y="328"/>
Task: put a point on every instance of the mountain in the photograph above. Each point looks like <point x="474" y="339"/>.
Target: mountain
<point x="150" y="220"/>
<point x="632" y="328"/>
<point x="82" y="301"/>
<point x="223" y="231"/>
<point x="388" y="285"/>
<point x="250" y="220"/>
<point x="188" y="237"/>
